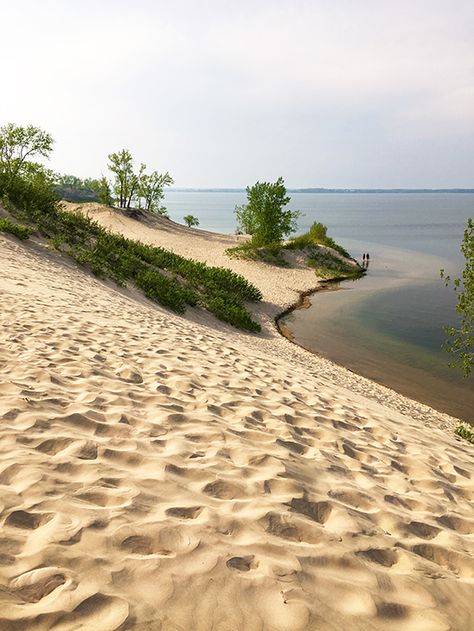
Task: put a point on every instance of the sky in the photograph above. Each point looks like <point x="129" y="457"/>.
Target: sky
<point x="326" y="93"/>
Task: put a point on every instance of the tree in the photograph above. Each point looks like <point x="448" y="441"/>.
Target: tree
<point x="18" y="145"/>
<point x="264" y="216"/>
<point x="102" y="188"/>
<point x="150" y="188"/>
<point x="70" y="181"/>
<point x="460" y="340"/>
<point x="191" y="221"/>
<point x="126" y="181"/>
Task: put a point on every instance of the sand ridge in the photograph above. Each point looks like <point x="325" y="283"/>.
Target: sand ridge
<point x="158" y="473"/>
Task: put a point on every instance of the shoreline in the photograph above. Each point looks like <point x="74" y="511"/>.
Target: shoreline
<point x="148" y="459"/>
<point x="304" y="302"/>
<point x="281" y="287"/>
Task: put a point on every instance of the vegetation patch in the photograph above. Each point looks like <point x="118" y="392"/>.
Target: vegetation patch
<point x="18" y="230"/>
<point x="462" y="431"/>
<point x="327" y="265"/>
<point x="313" y="244"/>
<point x="271" y="254"/>
<point x="316" y="235"/>
<point x="171" y="280"/>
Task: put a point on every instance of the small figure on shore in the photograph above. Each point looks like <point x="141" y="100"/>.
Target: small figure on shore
<point x="363" y="257"/>
<point x="367" y="257"/>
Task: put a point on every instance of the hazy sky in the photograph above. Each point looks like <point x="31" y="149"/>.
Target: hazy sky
<point x="334" y="93"/>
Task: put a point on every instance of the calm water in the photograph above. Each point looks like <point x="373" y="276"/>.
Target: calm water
<point x="387" y="326"/>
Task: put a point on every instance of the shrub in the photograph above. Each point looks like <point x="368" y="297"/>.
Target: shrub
<point x="191" y="221"/>
<point x="316" y="235"/>
<point x="329" y="266"/>
<point x="18" y="230"/>
<point x="462" y="431"/>
<point x="271" y="254"/>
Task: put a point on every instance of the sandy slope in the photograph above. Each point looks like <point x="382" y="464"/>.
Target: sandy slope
<point x="160" y="473"/>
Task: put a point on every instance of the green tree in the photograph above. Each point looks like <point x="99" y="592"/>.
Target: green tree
<point x="151" y="190"/>
<point x="18" y="145"/>
<point x="102" y="188"/>
<point x="460" y="340"/>
<point x="264" y="216"/>
<point x="126" y="180"/>
<point x="191" y="221"/>
<point x="70" y="181"/>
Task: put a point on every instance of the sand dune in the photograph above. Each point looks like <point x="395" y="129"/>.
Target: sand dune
<point x="163" y="473"/>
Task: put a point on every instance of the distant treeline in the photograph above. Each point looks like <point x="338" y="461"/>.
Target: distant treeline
<point x="74" y="189"/>
<point x="331" y="190"/>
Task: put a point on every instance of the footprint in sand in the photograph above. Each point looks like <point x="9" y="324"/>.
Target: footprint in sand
<point x="317" y="511"/>
<point x="28" y="521"/>
<point x="184" y="512"/>
<point x="242" y="564"/>
<point x="34" y="585"/>
<point x="446" y="558"/>
<point x="381" y="556"/>
<point x="223" y="490"/>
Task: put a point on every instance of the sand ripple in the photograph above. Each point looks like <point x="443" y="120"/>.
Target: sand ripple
<point x="161" y="474"/>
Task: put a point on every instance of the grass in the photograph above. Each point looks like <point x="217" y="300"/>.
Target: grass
<point x="316" y="235"/>
<point x="462" y="431"/>
<point x="325" y="263"/>
<point x="18" y="230"/>
<point x="271" y="254"/>
<point x="165" y="277"/>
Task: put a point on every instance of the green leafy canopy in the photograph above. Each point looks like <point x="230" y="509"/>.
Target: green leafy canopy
<point x="264" y="215"/>
<point x="460" y="340"/>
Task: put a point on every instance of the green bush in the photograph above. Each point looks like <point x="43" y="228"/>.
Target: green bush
<point x="271" y="254"/>
<point x="316" y="235"/>
<point x="18" y="230"/>
<point x="462" y="431"/>
<point x="233" y="313"/>
<point x="327" y="265"/>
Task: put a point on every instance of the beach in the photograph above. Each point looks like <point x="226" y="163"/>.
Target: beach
<point x="169" y="472"/>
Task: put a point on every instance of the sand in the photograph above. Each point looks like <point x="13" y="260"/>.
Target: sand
<point x="168" y="473"/>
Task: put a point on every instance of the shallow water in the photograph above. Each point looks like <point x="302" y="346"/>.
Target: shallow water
<point x="387" y="326"/>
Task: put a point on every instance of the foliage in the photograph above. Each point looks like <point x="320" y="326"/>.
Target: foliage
<point x="165" y="277"/>
<point x="327" y="265"/>
<point x="246" y="220"/>
<point x="151" y="187"/>
<point x="460" y="342"/>
<point x="17" y="146"/>
<point x="462" y="431"/>
<point x="126" y="180"/>
<point x="264" y="216"/>
<point x="271" y="254"/>
<point x="70" y="181"/>
<point x="33" y="192"/>
<point x="74" y="189"/>
<point x="317" y="234"/>
<point x="18" y="230"/>
<point x="131" y="187"/>
<point x="191" y="221"/>
<point x="103" y="190"/>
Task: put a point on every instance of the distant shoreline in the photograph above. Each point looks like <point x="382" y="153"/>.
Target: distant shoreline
<point x="329" y="190"/>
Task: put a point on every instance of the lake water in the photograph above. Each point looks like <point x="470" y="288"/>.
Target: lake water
<point x="387" y="326"/>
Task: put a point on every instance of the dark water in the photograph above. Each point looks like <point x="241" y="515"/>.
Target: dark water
<point x="387" y="326"/>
